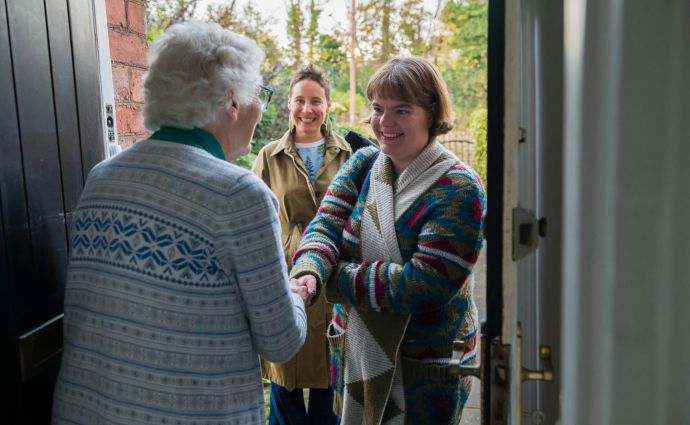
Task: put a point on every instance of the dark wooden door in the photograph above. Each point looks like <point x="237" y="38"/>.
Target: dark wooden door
<point x="50" y="137"/>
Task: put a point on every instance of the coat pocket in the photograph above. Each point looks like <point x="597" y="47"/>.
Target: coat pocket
<point x="433" y="384"/>
<point x="336" y="351"/>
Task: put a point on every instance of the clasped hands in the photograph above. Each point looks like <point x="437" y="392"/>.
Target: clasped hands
<point x="305" y="287"/>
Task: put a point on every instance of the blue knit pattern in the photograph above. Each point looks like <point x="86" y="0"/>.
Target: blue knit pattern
<point x="176" y="284"/>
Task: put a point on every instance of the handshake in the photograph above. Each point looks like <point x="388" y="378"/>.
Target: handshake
<point x="305" y="287"/>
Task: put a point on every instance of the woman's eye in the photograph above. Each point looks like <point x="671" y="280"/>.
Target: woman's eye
<point x="403" y="112"/>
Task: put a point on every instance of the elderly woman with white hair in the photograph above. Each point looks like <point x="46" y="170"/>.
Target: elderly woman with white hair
<point x="176" y="280"/>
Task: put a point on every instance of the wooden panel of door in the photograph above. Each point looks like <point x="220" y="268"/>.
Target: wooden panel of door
<point x="87" y="77"/>
<point x="16" y="248"/>
<point x="41" y="166"/>
<point x="71" y="167"/>
<point x="51" y="135"/>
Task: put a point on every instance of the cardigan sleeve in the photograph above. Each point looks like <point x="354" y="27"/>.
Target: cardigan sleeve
<point x="319" y="250"/>
<point x="250" y="249"/>
<point x="447" y="248"/>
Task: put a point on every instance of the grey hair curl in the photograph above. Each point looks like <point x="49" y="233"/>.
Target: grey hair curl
<point x="192" y="66"/>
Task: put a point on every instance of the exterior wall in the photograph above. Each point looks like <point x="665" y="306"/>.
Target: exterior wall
<point x="127" y="35"/>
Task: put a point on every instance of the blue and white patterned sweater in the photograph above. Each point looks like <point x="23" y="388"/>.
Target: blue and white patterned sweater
<point x="176" y="284"/>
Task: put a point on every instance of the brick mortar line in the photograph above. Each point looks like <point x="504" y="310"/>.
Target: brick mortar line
<point x="125" y="29"/>
<point x="128" y="65"/>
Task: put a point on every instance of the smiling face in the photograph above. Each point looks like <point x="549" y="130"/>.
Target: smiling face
<point x="401" y="128"/>
<point x="308" y="107"/>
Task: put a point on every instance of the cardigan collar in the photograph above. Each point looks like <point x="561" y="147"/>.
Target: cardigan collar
<point x="196" y="137"/>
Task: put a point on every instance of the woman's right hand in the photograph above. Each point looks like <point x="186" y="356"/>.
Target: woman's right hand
<point x="305" y="287"/>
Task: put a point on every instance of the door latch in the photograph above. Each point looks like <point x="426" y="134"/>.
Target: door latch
<point x="457" y="368"/>
<point x="546" y="374"/>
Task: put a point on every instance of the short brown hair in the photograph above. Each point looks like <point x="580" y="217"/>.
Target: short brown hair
<point x="314" y="73"/>
<point x="415" y="80"/>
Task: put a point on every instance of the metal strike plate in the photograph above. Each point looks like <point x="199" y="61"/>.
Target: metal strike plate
<point x="499" y="382"/>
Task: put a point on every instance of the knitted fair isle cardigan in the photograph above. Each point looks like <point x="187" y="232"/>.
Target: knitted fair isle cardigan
<point x="439" y="237"/>
<point x="176" y="283"/>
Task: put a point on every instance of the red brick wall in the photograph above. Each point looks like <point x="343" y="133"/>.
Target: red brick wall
<point x="127" y="34"/>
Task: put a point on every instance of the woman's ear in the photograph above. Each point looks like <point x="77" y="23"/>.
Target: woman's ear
<point x="233" y="109"/>
<point x="231" y="106"/>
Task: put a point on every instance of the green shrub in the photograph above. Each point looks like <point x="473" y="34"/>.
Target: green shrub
<point x="478" y="129"/>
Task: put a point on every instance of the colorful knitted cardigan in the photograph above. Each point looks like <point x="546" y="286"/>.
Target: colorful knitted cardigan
<point x="439" y="238"/>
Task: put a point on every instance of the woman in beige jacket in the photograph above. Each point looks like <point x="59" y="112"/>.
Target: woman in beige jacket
<point x="298" y="168"/>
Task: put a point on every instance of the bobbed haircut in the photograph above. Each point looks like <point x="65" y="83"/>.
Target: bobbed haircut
<point x="314" y="73"/>
<point x="417" y="81"/>
<point x="192" y="66"/>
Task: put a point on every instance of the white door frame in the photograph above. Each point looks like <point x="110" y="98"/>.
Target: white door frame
<point x="108" y="109"/>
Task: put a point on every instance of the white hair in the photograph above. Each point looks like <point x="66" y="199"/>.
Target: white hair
<point x="192" y="66"/>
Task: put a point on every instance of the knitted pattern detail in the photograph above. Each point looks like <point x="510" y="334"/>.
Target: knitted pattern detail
<point x="173" y="256"/>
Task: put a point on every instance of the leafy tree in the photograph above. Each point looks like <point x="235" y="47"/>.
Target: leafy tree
<point x="370" y="40"/>
<point x="463" y="53"/>
<point x="251" y="22"/>
<point x="414" y="23"/>
<point x="330" y="52"/>
<point x="386" y="42"/>
<point x="295" y="24"/>
<point x="313" y="31"/>
<point x="453" y="34"/>
<point x="353" y="61"/>
<point x="161" y="14"/>
<point x="478" y="129"/>
<point x="225" y="14"/>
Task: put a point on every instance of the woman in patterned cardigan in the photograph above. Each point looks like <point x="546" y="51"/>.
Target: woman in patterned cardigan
<point x="395" y="254"/>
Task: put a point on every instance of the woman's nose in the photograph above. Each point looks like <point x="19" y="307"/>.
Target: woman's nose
<point x="386" y="119"/>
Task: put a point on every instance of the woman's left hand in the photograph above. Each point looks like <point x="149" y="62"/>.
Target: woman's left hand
<point x="305" y="286"/>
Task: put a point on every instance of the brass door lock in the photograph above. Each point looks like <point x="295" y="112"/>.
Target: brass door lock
<point x="540" y="375"/>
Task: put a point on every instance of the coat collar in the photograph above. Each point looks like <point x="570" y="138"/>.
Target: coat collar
<point x="287" y="144"/>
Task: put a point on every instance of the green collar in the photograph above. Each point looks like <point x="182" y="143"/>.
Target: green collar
<point x="195" y="137"/>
